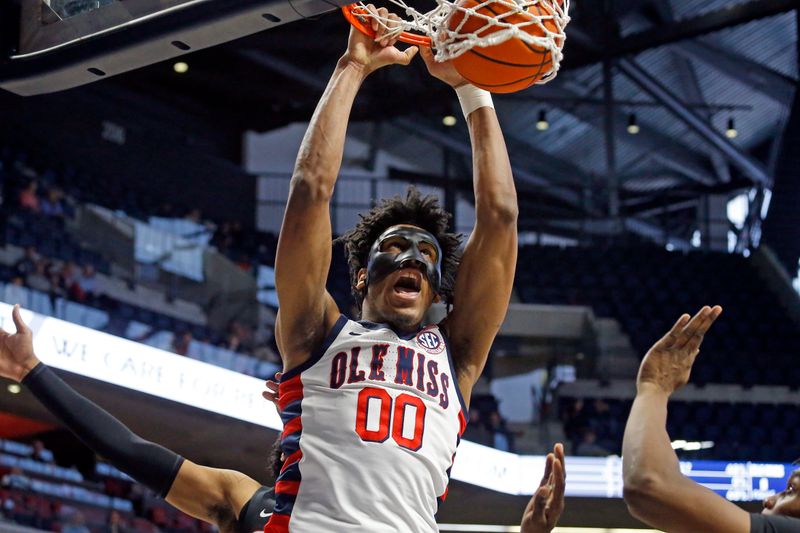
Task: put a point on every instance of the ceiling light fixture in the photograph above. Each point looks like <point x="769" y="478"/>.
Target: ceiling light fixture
<point x="633" y="125"/>
<point x="180" y="67"/>
<point x="731" y="132"/>
<point x="542" y="124"/>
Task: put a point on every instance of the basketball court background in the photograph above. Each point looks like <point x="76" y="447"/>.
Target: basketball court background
<point x="670" y="128"/>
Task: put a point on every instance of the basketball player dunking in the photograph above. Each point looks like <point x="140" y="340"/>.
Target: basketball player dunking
<point x="231" y="500"/>
<point x="374" y="409"/>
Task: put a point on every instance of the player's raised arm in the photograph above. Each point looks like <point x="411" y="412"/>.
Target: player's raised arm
<point x="213" y="495"/>
<point x="486" y="274"/>
<point x="655" y="489"/>
<point x="303" y="258"/>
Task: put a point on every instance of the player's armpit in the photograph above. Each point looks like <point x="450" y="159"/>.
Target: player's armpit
<point x="679" y="505"/>
<point x="213" y="495"/>
<point x="480" y="301"/>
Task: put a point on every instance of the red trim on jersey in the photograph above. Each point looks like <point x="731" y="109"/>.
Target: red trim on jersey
<point x="292" y="459"/>
<point x="462" y="423"/>
<point x="443" y="497"/>
<point x="287" y="487"/>
<point x="290" y="391"/>
<point x="293" y="426"/>
<point x="278" y="523"/>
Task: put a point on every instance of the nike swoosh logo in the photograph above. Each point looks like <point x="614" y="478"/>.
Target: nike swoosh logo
<point x="354" y="334"/>
<point x="264" y="514"/>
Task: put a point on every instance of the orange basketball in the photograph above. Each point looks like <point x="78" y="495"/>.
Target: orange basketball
<point x="509" y="66"/>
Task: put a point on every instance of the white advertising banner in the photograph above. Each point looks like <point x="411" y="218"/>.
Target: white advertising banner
<point x="139" y="367"/>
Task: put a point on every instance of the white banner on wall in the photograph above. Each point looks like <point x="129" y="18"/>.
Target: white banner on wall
<point x="146" y="369"/>
<point x="142" y="368"/>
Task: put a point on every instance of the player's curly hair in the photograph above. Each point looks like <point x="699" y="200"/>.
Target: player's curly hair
<point x="415" y="209"/>
<point x="276" y="458"/>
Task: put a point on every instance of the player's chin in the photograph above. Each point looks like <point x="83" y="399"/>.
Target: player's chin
<point x="406" y="313"/>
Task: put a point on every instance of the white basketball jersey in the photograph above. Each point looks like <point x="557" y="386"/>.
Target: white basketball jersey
<point x="371" y="425"/>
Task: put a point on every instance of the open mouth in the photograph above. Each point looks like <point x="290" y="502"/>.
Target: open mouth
<point x="408" y="284"/>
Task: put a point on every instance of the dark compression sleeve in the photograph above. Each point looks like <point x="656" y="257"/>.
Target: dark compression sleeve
<point x="760" y="523"/>
<point x="152" y="465"/>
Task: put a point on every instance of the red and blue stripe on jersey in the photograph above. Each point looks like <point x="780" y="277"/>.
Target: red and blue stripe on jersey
<point x="290" y="398"/>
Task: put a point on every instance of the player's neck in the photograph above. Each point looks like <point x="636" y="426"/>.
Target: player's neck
<point x="399" y="326"/>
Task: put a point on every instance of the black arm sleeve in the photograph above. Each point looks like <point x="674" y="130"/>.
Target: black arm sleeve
<point x="152" y="465"/>
<point x="760" y="523"/>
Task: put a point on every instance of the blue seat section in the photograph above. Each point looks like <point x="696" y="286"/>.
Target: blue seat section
<point x="738" y="431"/>
<point x="647" y="288"/>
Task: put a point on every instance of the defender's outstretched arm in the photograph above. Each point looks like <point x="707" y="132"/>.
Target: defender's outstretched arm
<point x="655" y="489"/>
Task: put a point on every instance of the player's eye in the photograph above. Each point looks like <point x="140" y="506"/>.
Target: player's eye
<point x="428" y="250"/>
<point x="393" y="244"/>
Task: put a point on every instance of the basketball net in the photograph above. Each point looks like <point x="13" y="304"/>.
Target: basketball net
<point x="538" y="23"/>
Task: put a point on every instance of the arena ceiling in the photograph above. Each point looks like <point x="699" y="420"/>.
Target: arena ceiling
<point x="683" y="68"/>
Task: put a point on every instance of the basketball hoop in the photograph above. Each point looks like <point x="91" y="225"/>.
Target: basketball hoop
<point x="451" y="30"/>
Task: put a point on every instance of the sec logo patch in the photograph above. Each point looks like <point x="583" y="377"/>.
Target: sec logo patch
<point x="431" y="341"/>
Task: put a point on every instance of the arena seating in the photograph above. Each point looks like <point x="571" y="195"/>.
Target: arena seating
<point x="740" y="432"/>
<point x="154" y="322"/>
<point x="38" y="494"/>
<point x="646" y="289"/>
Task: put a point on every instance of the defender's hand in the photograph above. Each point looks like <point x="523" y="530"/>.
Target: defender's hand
<point x="545" y="508"/>
<point x="444" y="71"/>
<point x="668" y="363"/>
<point x="16" y="350"/>
<point x="372" y="54"/>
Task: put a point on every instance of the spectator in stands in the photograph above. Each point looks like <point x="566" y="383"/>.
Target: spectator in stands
<point x="576" y="421"/>
<point x="228" y="238"/>
<point x="75" y="524"/>
<point x="239" y="337"/>
<point x="57" y="288"/>
<point x="503" y="439"/>
<point x="38" y="280"/>
<point x="181" y="342"/>
<point x="233" y="342"/>
<point x="26" y="264"/>
<point x="655" y="489"/>
<point x="15" y="291"/>
<point x="194" y="215"/>
<point x="52" y="204"/>
<point x="28" y="199"/>
<point x="16" y="479"/>
<point x="116" y="524"/>
<point x="69" y="275"/>
<point x="476" y="430"/>
<point x="85" y="285"/>
<point x="40" y="453"/>
<point x="588" y="446"/>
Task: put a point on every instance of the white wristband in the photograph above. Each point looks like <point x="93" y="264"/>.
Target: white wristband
<point x="471" y="98"/>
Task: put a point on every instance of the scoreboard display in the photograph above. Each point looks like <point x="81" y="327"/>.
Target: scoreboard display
<point x="739" y="482"/>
